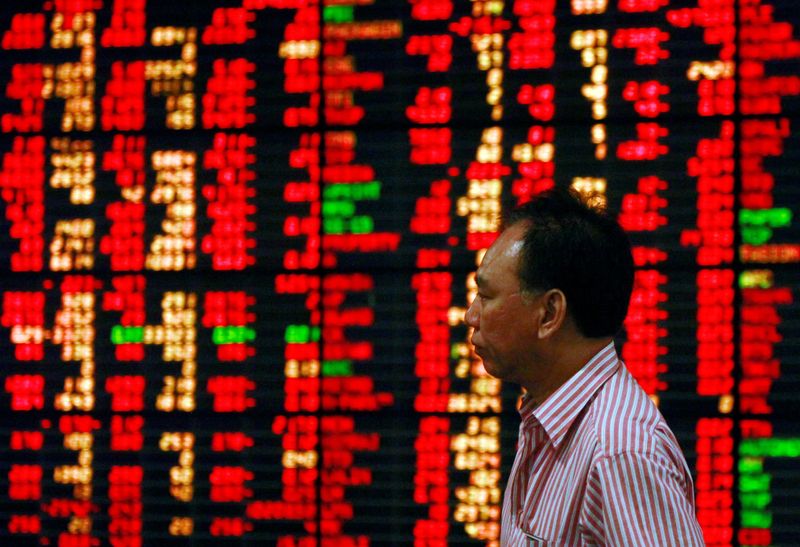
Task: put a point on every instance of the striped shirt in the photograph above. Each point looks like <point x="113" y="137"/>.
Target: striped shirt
<point x="597" y="465"/>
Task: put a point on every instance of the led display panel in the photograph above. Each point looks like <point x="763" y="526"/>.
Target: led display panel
<point x="238" y="238"/>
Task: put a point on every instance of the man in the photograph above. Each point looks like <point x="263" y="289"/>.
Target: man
<point x="596" y="462"/>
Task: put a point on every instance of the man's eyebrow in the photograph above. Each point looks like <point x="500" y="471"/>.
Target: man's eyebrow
<point x="480" y="280"/>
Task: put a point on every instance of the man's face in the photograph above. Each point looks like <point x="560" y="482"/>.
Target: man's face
<point x="502" y="317"/>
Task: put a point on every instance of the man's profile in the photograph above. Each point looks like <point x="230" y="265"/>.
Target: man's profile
<point x="596" y="463"/>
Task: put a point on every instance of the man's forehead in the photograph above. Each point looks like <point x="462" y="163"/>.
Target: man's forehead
<point x="509" y="243"/>
<point x="504" y="252"/>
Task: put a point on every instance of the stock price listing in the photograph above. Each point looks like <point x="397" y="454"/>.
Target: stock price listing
<point x="238" y="238"/>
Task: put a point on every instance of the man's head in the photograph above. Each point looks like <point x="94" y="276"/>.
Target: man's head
<point x="581" y="251"/>
<point x="557" y="281"/>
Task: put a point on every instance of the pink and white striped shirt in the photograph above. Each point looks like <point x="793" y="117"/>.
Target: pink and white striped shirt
<point x="597" y="465"/>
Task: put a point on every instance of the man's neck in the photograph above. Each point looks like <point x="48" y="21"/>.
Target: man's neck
<point x="562" y="362"/>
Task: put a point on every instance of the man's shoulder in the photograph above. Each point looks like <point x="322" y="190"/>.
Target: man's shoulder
<point x="624" y="419"/>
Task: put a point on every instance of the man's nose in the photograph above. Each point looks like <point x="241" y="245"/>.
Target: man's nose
<point x="472" y="315"/>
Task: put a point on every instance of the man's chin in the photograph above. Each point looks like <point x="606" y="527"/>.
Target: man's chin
<point x="488" y="366"/>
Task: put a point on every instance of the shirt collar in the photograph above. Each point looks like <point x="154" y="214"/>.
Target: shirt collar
<point x="557" y="413"/>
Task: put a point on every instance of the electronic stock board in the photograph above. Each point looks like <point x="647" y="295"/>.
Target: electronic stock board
<point x="238" y="239"/>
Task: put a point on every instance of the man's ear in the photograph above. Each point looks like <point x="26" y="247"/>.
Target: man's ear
<point x="553" y="313"/>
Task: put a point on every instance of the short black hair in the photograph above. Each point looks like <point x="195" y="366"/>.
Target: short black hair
<point x="580" y="250"/>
